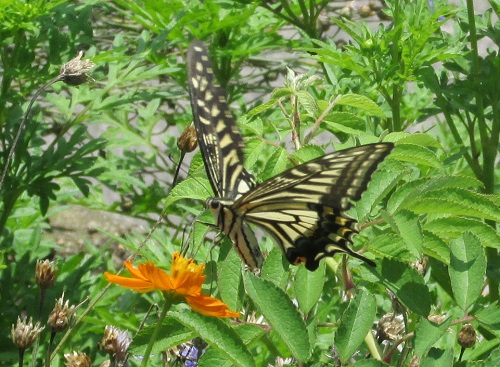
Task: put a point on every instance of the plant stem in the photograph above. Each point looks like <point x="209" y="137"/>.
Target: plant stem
<point x="154" y="336"/>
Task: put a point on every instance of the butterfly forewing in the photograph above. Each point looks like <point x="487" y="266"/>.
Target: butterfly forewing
<point x="218" y="136"/>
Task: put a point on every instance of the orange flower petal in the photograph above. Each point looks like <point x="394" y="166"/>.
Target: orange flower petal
<point x="210" y="306"/>
<point x="138" y="285"/>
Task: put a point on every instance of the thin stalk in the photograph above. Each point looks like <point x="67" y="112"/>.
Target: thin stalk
<point x="156" y="331"/>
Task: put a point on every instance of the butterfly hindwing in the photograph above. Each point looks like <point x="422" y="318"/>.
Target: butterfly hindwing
<point x="304" y="208"/>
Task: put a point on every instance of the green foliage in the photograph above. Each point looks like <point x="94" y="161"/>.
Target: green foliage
<point x="429" y="218"/>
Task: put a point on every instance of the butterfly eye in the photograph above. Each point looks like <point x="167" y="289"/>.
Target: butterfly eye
<point x="214" y="204"/>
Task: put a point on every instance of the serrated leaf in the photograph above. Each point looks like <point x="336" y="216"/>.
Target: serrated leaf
<point x="453" y="227"/>
<point x="405" y="282"/>
<point x="308" y="102"/>
<point x="213" y="357"/>
<point x="390" y="245"/>
<point x="340" y="127"/>
<point x="427" y="333"/>
<point x="172" y="333"/>
<point x="467" y="269"/>
<point x="217" y="334"/>
<point x="253" y="151"/>
<point x="436" y="247"/>
<point x="230" y="281"/>
<point x="275" y="268"/>
<point x="307" y="153"/>
<point x="263" y="107"/>
<point x="276" y="164"/>
<point x="281" y="314"/>
<point x="254" y="125"/>
<point x="416" y="154"/>
<point x="360" y="102"/>
<point x="355" y="323"/>
<point x="489" y="317"/>
<point x="281" y="92"/>
<point x="195" y="189"/>
<point x="308" y="286"/>
<point x="437" y="358"/>
<point x="383" y="180"/>
<point x="421" y="139"/>
<point x="407" y="225"/>
<point x="454" y="201"/>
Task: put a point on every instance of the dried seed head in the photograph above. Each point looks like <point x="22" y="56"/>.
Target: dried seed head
<point x="60" y="315"/>
<point x="415" y="361"/>
<point x="390" y="327"/>
<point x="45" y="273"/>
<point x="187" y="142"/>
<point x="115" y="342"/>
<point x="77" y="359"/>
<point x="467" y="336"/>
<point x="25" y="333"/>
<point x="73" y="72"/>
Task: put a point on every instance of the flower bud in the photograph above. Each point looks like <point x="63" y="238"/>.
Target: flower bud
<point x="467" y="336"/>
<point x="45" y="273"/>
<point x="187" y="142"/>
<point x="60" y="315"/>
<point x="25" y="333"/>
<point x="77" y="359"/>
<point x="73" y="72"/>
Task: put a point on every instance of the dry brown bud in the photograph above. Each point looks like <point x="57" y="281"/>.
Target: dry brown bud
<point x="77" y="359"/>
<point x="45" y="273"/>
<point x="187" y="142"/>
<point x="390" y="327"/>
<point x="365" y="11"/>
<point x="60" y="315"/>
<point x="73" y="72"/>
<point x="467" y="336"/>
<point x="346" y="12"/>
<point x="115" y="342"/>
<point x="25" y="333"/>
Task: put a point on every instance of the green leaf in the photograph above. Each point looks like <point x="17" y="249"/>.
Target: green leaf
<point x="427" y="333"/>
<point x="454" y="201"/>
<point x="253" y="151"/>
<point x="308" y="286"/>
<point x="453" y="227"/>
<point x="467" y="269"/>
<point x="218" y="335"/>
<point x="308" y="102"/>
<point x="213" y="357"/>
<point x="407" y="225"/>
<point x="355" y="324"/>
<point x="172" y="333"/>
<point x="383" y="181"/>
<point x="489" y="317"/>
<point x="281" y="314"/>
<point x="275" y="268"/>
<point x="307" y="153"/>
<point x="263" y="107"/>
<point x="191" y="188"/>
<point x="276" y="163"/>
<point x="436" y="247"/>
<point x="360" y="102"/>
<point x="405" y="282"/>
<point x="437" y="358"/>
<point x="390" y="245"/>
<point x="421" y="139"/>
<point x="230" y="281"/>
<point x="416" y="154"/>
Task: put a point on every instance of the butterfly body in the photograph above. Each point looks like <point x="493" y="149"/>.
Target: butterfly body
<point x="303" y="209"/>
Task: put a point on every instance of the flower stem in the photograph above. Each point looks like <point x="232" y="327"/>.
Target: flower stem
<point x="147" y="353"/>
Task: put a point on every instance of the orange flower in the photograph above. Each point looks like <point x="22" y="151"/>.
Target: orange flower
<point x="184" y="282"/>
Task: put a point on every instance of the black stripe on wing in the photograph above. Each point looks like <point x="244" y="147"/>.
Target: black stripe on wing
<point x="304" y="207"/>
<point x="218" y="136"/>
